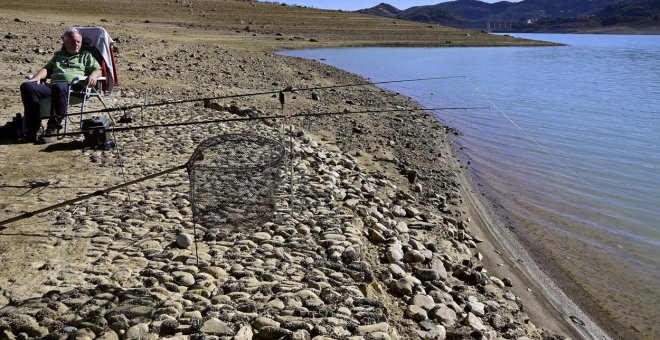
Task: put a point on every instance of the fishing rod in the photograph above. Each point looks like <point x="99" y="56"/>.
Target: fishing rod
<point x="90" y="195"/>
<point x="241" y="119"/>
<point x="164" y="172"/>
<point x="99" y="193"/>
<point x="288" y="89"/>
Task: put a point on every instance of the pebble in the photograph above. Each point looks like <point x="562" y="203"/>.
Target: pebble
<point x="270" y="332"/>
<point x="373" y="328"/>
<point x="277" y="304"/>
<point x="301" y="334"/>
<point x="444" y="315"/>
<point x="416" y="313"/>
<point x="474" y="322"/>
<point x="412" y="212"/>
<point x="260" y="237"/>
<point x="351" y="203"/>
<point x="261" y="322"/>
<point x="424" y="301"/>
<point x="401" y="227"/>
<point x="402" y="287"/>
<point x="85" y="334"/>
<point x="214" y="326"/>
<point x="244" y="333"/>
<point x="436" y="272"/>
<point x="399" y="212"/>
<point x="184" y="240"/>
<point x="395" y="253"/>
<point x="413" y="256"/>
<point x="184" y="278"/>
<point x="509" y="296"/>
<point x="497" y="282"/>
<point x="477" y="308"/>
<point x="108" y="335"/>
<point x="376" y="236"/>
<point x="138" y="331"/>
<point x="397" y="271"/>
<point x="438" y="332"/>
<point x="497" y="321"/>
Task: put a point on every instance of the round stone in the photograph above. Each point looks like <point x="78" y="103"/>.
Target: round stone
<point x="184" y="240"/>
<point x="416" y="313"/>
<point x="184" y="279"/>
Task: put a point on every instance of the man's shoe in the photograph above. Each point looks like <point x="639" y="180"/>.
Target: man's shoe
<point x="48" y="136"/>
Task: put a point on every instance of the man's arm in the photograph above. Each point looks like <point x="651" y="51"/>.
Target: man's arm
<point x="41" y="75"/>
<point x="91" y="65"/>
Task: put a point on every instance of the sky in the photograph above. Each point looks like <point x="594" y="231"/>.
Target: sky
<point x="351" y="5"/>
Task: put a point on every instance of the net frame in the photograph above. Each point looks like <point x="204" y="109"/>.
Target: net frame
<point x="233" y="179"/>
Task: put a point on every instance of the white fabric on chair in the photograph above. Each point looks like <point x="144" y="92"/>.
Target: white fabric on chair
<point x="98" y="37"/>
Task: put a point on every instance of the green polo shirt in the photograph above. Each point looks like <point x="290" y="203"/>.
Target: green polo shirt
<point x="65" y="67"/>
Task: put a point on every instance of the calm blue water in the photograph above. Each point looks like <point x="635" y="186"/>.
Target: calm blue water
<point x="571" y="144"/>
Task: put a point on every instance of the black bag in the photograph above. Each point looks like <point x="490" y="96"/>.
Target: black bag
<point x="14" y="129"/>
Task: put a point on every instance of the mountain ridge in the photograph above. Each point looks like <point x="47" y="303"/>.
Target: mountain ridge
<point x="529" y="15"/>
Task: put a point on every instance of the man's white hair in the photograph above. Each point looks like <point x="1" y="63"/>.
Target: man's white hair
<point x="69" y="32"/>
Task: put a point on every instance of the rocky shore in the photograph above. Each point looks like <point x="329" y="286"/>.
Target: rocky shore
<point x="361" y="256"/>
<point x="380" y="242"/>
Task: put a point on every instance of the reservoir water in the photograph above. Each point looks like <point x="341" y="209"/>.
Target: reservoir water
<point x="568" y="153"/>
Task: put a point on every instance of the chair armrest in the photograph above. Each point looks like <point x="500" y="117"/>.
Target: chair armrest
<point x="79" y="79"/>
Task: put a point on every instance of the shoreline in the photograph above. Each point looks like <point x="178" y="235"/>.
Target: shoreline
<point x="574" y="320"/>
<point x="576" y="287"/>
<point x="98" y="254"/>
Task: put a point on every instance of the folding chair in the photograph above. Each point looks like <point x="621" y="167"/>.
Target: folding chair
<point x="98" y="42"/>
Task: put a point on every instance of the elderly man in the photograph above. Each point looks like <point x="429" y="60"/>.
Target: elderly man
<point x="66" y="64"/>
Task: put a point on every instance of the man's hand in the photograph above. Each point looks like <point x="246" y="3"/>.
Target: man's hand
<point x="91" y="79"/>
<point x="37" y="78"/>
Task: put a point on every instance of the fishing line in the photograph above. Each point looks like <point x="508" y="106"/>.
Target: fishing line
<point x="492" y="103"/>
<point x="415" y="96"/>
<point x="242" y="119"/>
<point x="589" y="223"/>
<point x="142" y="136"/>
<point x="120" y="159"/>
<point x="407" y="88"/>
<point x="289" y="89"/>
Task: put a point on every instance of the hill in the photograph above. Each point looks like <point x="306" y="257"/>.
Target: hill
<point x="642" y="16"/>
<point x="531" y="15"/>
<point x="383" y="10"/>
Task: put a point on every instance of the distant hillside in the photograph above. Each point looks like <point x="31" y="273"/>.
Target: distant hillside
<point x="383" y="10"/>
<point x="528" y="15"/>
<point x="430" y="14"/>
<point x="641" y="12"/>
<point x="538" y="9"/>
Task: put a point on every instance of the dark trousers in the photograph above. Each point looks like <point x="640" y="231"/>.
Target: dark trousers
<point x="31" y="92"/>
